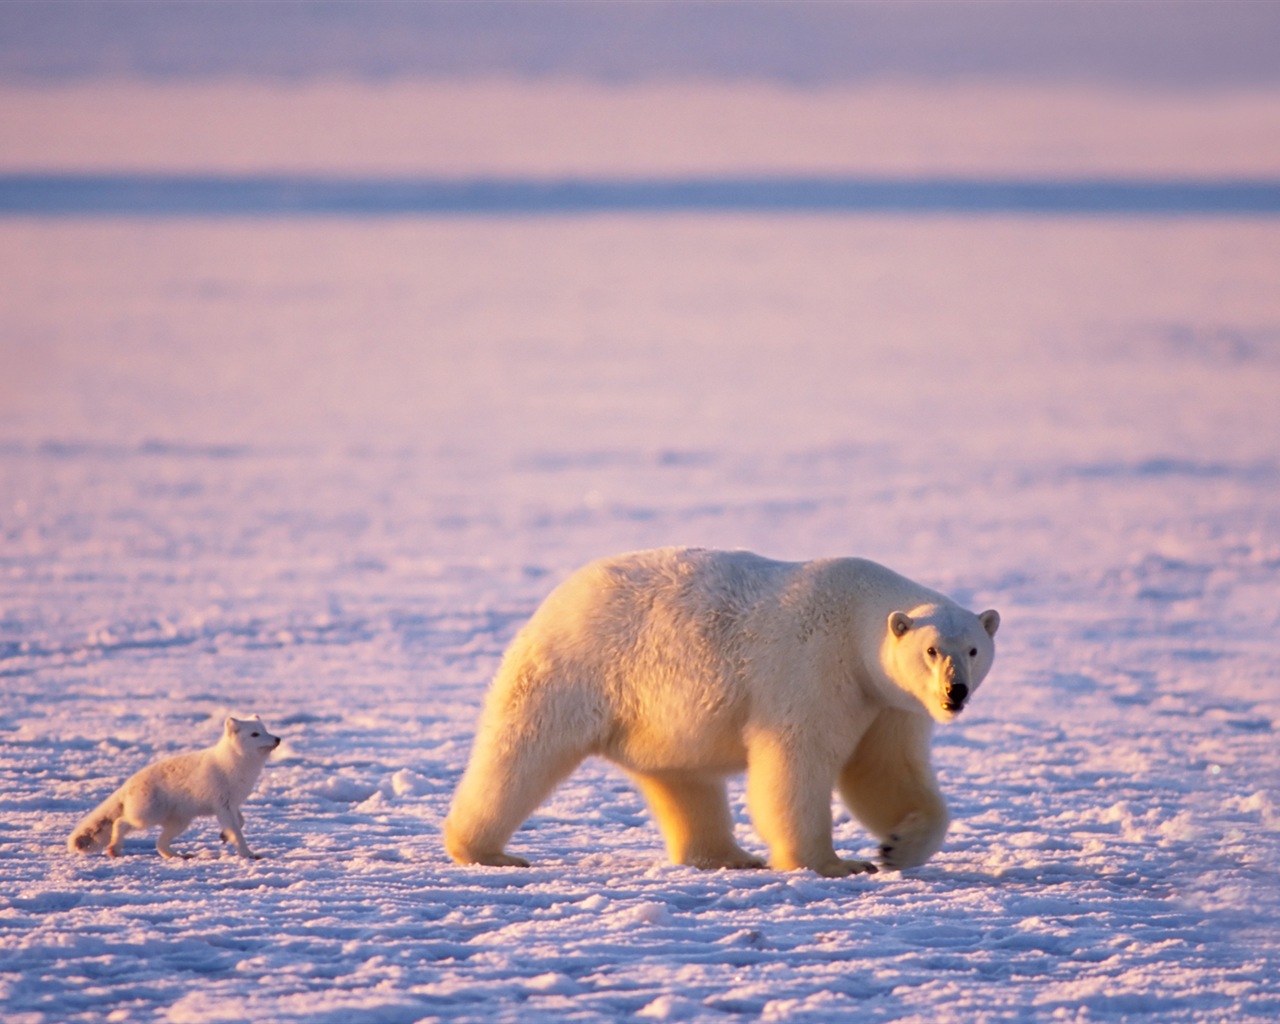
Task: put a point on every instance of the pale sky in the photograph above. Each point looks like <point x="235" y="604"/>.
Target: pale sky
<point x="1185" y="44"/>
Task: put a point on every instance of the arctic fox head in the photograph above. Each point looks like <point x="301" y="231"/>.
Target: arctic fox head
<point x="940" y="654"/>
<point x="249" y="737"/>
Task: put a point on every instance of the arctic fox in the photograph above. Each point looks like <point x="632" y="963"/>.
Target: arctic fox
<point x="170" y="793"/>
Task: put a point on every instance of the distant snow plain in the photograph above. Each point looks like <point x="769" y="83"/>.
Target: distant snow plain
<point x="322" y="469"/>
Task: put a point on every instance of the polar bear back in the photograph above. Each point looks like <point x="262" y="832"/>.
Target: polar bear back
<point x="700" y="641"/>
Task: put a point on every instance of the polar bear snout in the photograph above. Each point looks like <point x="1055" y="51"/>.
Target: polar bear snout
<point x="957" y="694"/>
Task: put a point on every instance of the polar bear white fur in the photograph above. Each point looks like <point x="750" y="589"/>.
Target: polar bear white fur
<point x="684" y="666"/>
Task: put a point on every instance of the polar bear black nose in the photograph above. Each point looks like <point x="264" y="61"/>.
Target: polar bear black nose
<point x="957" y="694"/>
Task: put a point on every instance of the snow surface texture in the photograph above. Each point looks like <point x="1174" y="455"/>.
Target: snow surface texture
<point x="322" y="471"/>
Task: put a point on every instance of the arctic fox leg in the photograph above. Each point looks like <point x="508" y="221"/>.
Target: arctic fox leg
<point x="169" y="831"/>
<point x="225" y="835"/>
<point x="692" y="810"/>
<point x="231" y="819"/>
<point x="119" y="829"/>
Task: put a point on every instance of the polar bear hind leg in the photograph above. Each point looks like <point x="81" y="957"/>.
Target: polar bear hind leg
<point x="506" y="780"/>
<point x="533" y="734"/>
<point x="692" y="811"/>
<point x="890" y="787"/>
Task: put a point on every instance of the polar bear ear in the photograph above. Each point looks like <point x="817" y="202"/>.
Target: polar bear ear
<point x="990" y="620"/>
<point x="230" y="726"/>
<point x="899" y="623"/>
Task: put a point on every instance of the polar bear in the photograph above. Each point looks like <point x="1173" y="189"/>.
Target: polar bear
<point x="685" y="666"/>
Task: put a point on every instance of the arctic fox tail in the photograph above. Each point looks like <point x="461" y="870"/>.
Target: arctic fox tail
<point x="94" y="832"/>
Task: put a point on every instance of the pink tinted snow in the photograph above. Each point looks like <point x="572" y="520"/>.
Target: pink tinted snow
<point x="325" y="469"/>
<point x="557" y="128"/>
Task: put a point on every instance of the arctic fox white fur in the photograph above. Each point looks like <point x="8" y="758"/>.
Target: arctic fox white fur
<point x="171" y="793"/>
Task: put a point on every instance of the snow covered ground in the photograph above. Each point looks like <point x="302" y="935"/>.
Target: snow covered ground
<point x="323" y="469"/>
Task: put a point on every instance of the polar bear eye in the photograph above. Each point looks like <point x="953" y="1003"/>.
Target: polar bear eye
<point x="932" y="652"/>
<point x="973" y="652"/>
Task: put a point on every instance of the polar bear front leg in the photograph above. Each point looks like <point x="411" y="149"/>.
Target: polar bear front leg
<point x="789" y="795"/>
<point x="889" y="785"/>
<point x="692" y="810"/>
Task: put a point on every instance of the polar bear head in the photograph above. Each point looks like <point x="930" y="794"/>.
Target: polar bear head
<point x="940" y="653"/>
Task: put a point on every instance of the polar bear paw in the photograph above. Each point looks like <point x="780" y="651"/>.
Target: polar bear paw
<point x="738" y="860"/>
<point x="500" y="860"/>
<point x="843" y="868"/>
<point x="913" y="842"/>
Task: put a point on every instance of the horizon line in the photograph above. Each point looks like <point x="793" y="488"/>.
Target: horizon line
<point x="59" y="194"/>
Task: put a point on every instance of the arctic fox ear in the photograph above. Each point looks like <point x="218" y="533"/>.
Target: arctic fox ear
<point x="990" y="620"/>
<point x="899" y="623"/>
